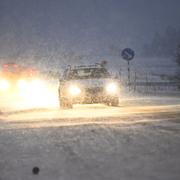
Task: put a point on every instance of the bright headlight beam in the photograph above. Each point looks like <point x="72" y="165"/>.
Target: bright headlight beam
<point x="37" y="82"/>
<point x="74" y="90"/>
<point x="37" y="85"/>
<point x="22" y="84"/>
<point x="4" y="84"/>
<point x="111" y="88"/>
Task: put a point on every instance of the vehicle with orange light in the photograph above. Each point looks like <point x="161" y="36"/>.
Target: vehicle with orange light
<point x="14" y="77"/>
<point x="88" y="84"/>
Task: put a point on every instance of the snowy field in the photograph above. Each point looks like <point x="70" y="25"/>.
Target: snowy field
<point x="139" y="140"/>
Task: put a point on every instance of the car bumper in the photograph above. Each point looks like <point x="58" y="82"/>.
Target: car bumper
<point x="93" y="98"/>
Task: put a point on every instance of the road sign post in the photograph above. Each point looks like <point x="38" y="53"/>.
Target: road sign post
<point x="129" y="80"/>
<point x="128" y="54"/>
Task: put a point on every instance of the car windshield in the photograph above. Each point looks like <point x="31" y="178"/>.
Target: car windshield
<point x="87" y="73"/>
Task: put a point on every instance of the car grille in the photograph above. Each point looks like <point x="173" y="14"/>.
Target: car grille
<point x="94" y="90"/>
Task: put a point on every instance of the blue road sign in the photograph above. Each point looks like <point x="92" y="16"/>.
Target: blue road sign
<point x="127" y="54"/>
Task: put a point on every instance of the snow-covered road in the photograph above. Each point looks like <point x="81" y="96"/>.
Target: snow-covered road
<point x="138" y="140"/>
<point x="130" y="110"/>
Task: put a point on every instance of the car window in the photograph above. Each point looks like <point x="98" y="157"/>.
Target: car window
<point x="88" y="73"/>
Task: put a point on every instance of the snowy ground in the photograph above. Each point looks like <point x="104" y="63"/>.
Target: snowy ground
<point x="139" y="140"/>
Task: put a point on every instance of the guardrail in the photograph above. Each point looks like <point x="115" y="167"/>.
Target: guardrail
<point x="155" y="84"/>
<point x="154" y="87"/>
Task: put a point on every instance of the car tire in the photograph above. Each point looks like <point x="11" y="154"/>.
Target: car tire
<point x="115" y="102"/>
<point x="65" y="103"/>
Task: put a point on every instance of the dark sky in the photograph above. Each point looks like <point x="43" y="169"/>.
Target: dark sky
<point x="36" y="28"/>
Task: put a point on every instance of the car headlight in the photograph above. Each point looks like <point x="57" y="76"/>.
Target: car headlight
<point x="4" y="84"/>
<point x="74" y="90"/>
<point x="111" y="88"/>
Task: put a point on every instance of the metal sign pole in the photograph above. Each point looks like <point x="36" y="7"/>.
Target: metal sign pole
<point x="128" y="54"/>
<point x="128" y="72"/>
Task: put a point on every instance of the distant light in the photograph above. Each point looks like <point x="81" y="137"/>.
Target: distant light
<point x="4" y="84"/>
<point x="5" y="65"/>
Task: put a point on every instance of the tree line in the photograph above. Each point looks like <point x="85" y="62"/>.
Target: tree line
<point x="163" y="45"/>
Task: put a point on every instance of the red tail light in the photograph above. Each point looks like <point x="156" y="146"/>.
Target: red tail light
<point x="5" y="65"/>
<point x="15" y="66"/>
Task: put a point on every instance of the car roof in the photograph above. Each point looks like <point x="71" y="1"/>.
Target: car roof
<point x="93" y="66"/>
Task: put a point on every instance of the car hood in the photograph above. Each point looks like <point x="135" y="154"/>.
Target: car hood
<point x="91" y="83"/>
